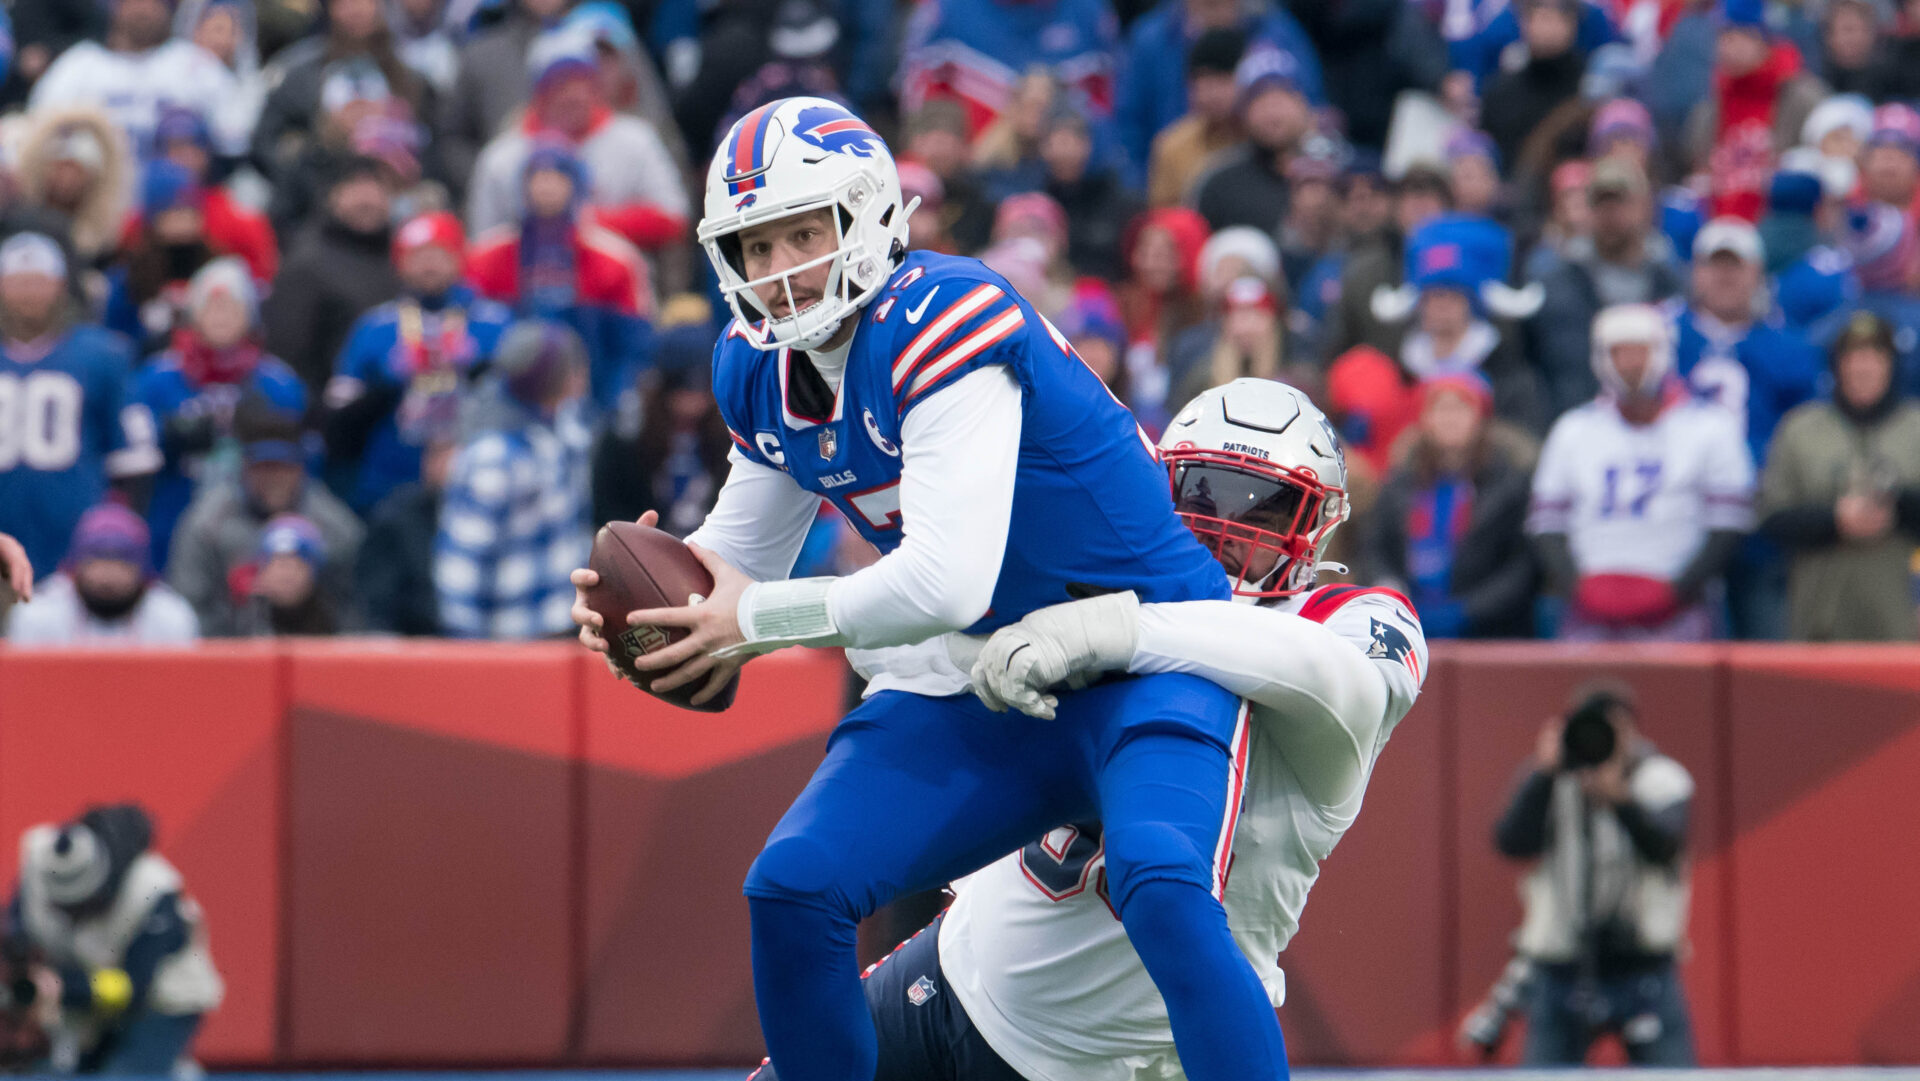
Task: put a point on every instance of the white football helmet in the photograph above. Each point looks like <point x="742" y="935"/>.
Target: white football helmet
<point x="789" y="157"/>
<point x="1259" y="476"/>
<point x="1632" y="324"/>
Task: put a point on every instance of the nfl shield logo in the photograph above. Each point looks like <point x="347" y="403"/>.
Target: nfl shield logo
<point x="829" y="442"/>
<point x="922" y="990"/>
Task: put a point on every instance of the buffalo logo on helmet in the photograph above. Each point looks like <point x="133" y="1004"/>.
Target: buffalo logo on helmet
<point x="837" y="131"/>
<point x="746" y="200"/>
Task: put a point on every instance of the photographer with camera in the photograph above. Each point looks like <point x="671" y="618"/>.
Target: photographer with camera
<point x="1605" y="815"/>
<point x="104" y="952"/>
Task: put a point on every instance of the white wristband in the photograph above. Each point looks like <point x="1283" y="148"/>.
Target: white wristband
<point x="793" y="612"/>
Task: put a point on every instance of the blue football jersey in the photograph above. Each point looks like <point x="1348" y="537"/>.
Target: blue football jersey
<point x="1091" y="508"/>
<point x="68" y="423"/>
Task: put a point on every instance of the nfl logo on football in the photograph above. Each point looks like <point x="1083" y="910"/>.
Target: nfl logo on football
<point x="643" y="639"/>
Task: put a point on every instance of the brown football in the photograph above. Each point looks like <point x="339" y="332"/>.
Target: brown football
<point x="641" y="567"/>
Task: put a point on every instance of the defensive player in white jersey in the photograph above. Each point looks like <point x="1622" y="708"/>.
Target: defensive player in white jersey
<point x="1029" y="976"/>
<point x="1641" y="496"/>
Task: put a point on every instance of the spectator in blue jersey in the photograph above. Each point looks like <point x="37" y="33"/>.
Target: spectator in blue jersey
<point x="1154" y="92"/>
<point x="1728" y="351"/>
<point x="975" y="50"/>
<point x="106" y="592"/>
<point x="514" y="519"/>
<point x="68" y="425"/>
<point x="1447" y="527"/>
<point x="219" y="538"/>
<point x="193" y="387"/>
<point x="402" y="358"/>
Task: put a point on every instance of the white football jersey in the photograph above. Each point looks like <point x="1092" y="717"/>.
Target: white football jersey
<point x="1032" y="947"/>
<point x="1641" y="499"/>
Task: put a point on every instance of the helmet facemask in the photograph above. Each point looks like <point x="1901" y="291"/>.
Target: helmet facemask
<point x="1265" y="523"/>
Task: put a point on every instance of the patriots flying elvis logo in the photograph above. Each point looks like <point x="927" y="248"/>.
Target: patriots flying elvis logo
<point x="838" y="131"/>
<point x="1390" y="643"/>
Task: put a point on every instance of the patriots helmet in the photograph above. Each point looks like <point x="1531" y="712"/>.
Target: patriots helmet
<point x="1632" y="324"/>
<point x="1259" y="477"/>
<point x="789" y="157"/>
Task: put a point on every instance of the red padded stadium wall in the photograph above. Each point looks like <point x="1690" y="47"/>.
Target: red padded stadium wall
<point x="469" y="854"/>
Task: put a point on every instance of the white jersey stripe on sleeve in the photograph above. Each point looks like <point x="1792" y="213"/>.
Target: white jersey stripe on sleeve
<point x="969" y="347"/>
<point x="941" y="327"/>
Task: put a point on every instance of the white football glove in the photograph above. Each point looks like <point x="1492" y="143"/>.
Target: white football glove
<point x="1068" y="643"/>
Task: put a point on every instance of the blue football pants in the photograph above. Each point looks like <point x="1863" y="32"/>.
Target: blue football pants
<point x="915" y="792"/>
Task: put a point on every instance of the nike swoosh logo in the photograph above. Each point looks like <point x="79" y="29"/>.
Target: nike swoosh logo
<point x="914" y="314"/>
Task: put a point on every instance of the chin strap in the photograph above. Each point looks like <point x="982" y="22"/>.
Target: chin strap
<point x="1337" y="568"/>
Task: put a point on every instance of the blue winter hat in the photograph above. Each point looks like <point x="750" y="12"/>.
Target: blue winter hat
<point x="168" y="186"/>
<point x="178" y="123"/>
<point x="557" y="155"/>
<point x="1266" y="67"/>
<point x="291" y="534"/>
<point x="684" y="347"/>
<point x="1464" y="252"/>
<point x="1793" y="193"/>
<point x="111" y="531"/>
<point x="1744" y="14"/>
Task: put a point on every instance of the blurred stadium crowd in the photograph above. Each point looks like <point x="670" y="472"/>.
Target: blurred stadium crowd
<point x="334" y="316"/>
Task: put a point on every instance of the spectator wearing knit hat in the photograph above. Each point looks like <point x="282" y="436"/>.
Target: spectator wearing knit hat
<point x="356" y="98"/>
<point x="1841" y="492"/>
<point x="233" y="228"/>
<point x="212" y="361"/>
<point x="1884" y="249"/>
<point x="936" y="137"/>
<point x="1098" y="206"/>
<point x="221" y="535"/>
<point x="339" y="267"/>
<point x="281" y="591"/>
<point x="1159" y="299"/>
<point x="1209" y="126"/>
<point x="633" y="183"/>
<point x="105" y="593"/>
<point x="407" y="362"/>
<point x="1890" y="164"/>
<point x="1839" y="127"/>
<point x="1447" y="528"/>
<point x="514" y="520"/>
<point x="1762" y="95"/>
<point x="556" y="264"/>
<point x="169" y="244"/>
<point x="1248" y="185"/>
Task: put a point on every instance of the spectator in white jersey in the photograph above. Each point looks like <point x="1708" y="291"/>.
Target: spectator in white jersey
<point x="1641" y="495"/>
<point x="1604" y="814"/>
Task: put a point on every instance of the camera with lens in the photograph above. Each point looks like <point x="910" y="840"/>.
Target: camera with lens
<point x="1589" y="736"/>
